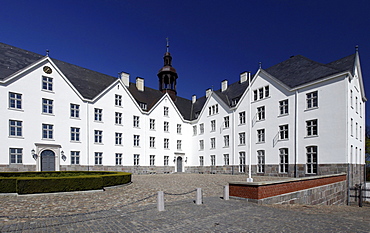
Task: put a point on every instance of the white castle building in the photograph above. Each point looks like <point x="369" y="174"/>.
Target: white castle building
<point x="296" y="118"/>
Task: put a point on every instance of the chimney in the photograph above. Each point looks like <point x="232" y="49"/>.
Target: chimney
<point x="244" y="76"/>
<point x="140" y="83"/>
<point x="125" y="77"/>
<point x="224" y="85"/>
<point x="208" y="92"/>
<point x="193" y="99"/>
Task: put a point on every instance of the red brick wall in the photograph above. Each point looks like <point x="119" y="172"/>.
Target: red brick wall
<point x="270" y="190"/>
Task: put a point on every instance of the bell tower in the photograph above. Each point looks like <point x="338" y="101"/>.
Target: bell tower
<point x="167" y="75"/>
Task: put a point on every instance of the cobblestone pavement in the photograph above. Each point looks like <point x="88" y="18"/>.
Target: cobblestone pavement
<point x="113" y="211"/>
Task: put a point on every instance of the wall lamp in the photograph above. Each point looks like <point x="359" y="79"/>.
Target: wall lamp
<point x="34" y="155"/>
<point x="63" y="156"/>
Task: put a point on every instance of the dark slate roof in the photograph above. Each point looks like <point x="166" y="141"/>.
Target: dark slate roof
<point x="233" y="91"/>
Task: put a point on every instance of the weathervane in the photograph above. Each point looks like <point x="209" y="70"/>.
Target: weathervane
<point x="168" y="45"/>
<point x="47" y="52"/>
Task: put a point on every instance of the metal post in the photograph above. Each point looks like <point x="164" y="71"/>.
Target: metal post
<point x="199" y="200"/>
<point x="360" y="196"/>
<point x="160" y="201"/>
<point x="226" y="192"/>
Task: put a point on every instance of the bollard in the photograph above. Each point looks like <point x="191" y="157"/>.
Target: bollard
<point x="226" y="192"/>
<point x="199" y="200"/>
<point x="160" y="199"/>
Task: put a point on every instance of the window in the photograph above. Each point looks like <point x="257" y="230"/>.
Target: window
<point x="118" y="118"/>
<point x="152" y="160"/>
<point x="15" y="128"/>
<point x="201" y="160"/>
<point x="118" y="138"/>
<point x="261" y="135"/>
<point x="136" y="159"/>
<point x="212" y="110"/>
<point x="15" y="100"/>
<point x="178" y="128"/>
<point x="213" y="125"/>
<point x="360" y="112"/>
<point x="98" y="114"/>
<point x="226" y="140"/>
<point x="351" y="127"/>
<point x="267" y="91"/>
<point x="194" y="130"/>
<point x="213" y="160"/>
<point x="75" y="157"/>
<point x="47" y="106"/>
<point x="178" y="144"/>
<point x="283" y="166"/>
<point x="312" y="100"/>
<point x="75" y="134"/>
<point x="356" y="104"/>
<point x="255" y="95"/>
<point x="15" y="155"/>
<point x="201" y="145"/>
<point x="356" y="130"/>
<point x="360" y="133"/>
<point x="351" y="98"/>
<point x="261" y="161"/>
<point x="152" y="124"/>
<point x="234" y="101"/>
<point x="98" y="136"/>
<point x="151" y="142"/>
<point x="283" y="132"/>
<point x="311" y="127"/>
<point x="242" y="138"/>
<point x="166" y="159"/>
<point x="196" y="114"/>
<point x="165" y="111"/>
<point x="311" y="166"/>
<point x="98" y="158"/>
<point x="143" y="106"/>
<point x="213" y="143"/>
<point x="242" y="161"/>
<point x="75" y="111"/>
<point x="166" y="143"/>
<point x="136" y="121"/>
<point x="47" y="131"/>
<point x="241" y="118"/>
<point x="165" y="126"/>
<point x="261" y="93"/>
<point x="118" y="159"/>
<point x="118" y="100"/>
<point x="283" y="107"/>
<point x="226" y="122"/>
<point x="136" y="140"/>
<point x="201" y="128"/>
<point x="261" y="113"/>
<point x="47" y="84"/>
<point x="226" y="159"/>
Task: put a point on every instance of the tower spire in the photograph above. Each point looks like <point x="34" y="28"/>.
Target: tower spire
<point x="167" y="45"/>
<point x="167" y="75"/>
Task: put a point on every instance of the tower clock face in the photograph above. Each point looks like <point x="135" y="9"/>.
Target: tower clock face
<point x="47" y="69"/>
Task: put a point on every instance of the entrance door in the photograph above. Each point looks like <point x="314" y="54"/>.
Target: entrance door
<point x="47" y="160"/>
<point x="179" y="164"/>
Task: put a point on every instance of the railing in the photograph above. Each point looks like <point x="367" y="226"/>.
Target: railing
<point x="359" y="193"/>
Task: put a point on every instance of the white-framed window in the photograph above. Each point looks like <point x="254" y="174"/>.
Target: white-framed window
<point x="201" y="160"/>
<point x="351" y="96"/>
<point x="165" y="111"/>
<point x="226" y="140"/>
<point x="283" y="166"/>
<point x="152" y="142"/>
<point x="213" y="143"/>
<point x="15" y="100"/>
<point x="356" y="104"/>
<point x="166" y="143"/>
<point x="98" y="114"/>
<point x="241" y="118"/>
<point x="98" y="136"/>
<point x="47" y="131"/>
<point x="15" y="155"/>
<point x="283" y="132"/>
<point x="356" y="130"/>
<point x="242" y="161"/>
<point x="136" y="121"/>
<point x="312" y="100"/>
<point x="242" y="138"/>
<point x="47" y="106"/>
<point x="226" y="122"/>
<point x="166" y="159"/>
<point x="255" y="95"/>
<point x="361" y="133"/>
<point x="261" y="93"/>
<point x="75" y="157"/>
<point x="136" y="159"/>
<point x="261" y="161"/>
<point x="360" y="112"/>
<point x="118" y="158"/>
<point x="267" y="91"/>
<point x="213" y="160"/>
<point x="136" y="140"/>
<point x="143" y="106"/>
<point x="213" y="125"/>
<point x="118" y="118"/>
<point x="152" y="160"/>
<point x="261" y="113"/>
<point x="166" y="126"/>
<point x="201" y="144"/>
<point x="98" y="158"/>
<point x="118" y="100"/>
<point x="351" y="127"/>
<point x="311" y="165"/>
<point x="311" y="127"/>
<point x="75" y="134"/>
<point x="260" y="135"/>
<point x="226" y="159"/>
<point x="284" y="107"/>
<point x="194" y="130"/>
<point x="212" y="110"/>
<point x="152" y="124"/>
<point x="118" y="138"/>
<point x="178" y="128"/>
<point x="179" y="144"/>
<point x="15" y="128"/>
<point x="47" y="83"/>
<point x="75" y="110"/>
<point x="201" y="128"/>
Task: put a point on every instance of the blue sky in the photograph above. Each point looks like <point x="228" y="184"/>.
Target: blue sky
<point x="209" y="40"/>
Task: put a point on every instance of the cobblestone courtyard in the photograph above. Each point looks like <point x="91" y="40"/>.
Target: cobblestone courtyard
<point x="132" y="208"/>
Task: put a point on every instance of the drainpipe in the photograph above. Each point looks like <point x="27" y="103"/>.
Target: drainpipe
<point x="250" y="179"/>
<point x="88" y="135"/>
<point x="295" y="133"/>
<point x="232" y="141"/>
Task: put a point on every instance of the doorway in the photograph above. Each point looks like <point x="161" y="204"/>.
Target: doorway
<point x="179" y="164"/>
<point x="47" y="160"/>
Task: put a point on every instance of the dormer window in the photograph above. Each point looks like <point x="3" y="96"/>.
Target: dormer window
<point x="143" y="106"/>
<point x="234" y="101"/>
